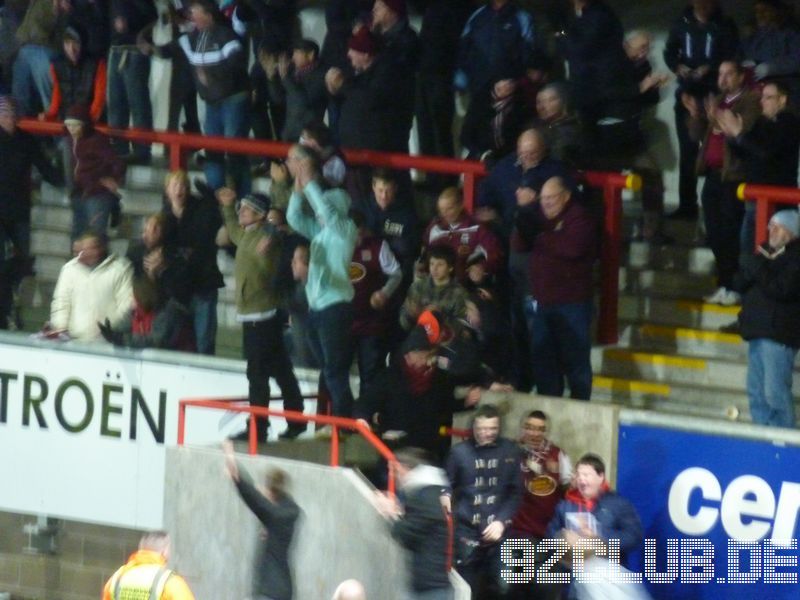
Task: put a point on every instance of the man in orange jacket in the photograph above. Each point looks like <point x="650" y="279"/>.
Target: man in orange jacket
<point x="146" y="575"/>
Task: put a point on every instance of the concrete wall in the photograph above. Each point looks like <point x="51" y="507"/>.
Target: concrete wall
<point x="577" y="427"/>
<point x="87" y="556"/>
<point x="339" y="536"/>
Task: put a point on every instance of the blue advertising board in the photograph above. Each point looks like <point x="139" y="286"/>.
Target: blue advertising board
<point x="720" y="515"/>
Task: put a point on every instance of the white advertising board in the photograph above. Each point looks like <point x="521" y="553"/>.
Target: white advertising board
<point x="83" y="429"/>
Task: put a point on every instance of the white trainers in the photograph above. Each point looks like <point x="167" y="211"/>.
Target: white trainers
<point x="724" y="297"/>
<point x="730" y="298"/>
<point x="716" y="297"/>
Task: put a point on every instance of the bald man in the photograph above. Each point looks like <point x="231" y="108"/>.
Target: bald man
<point x="562" y="237"/>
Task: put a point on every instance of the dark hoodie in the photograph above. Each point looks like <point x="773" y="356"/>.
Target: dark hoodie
<point x="423" y="529"/>
<point x="615" y="516"/>
<point x="696" y="44"/>
<point x="94" y="157"/>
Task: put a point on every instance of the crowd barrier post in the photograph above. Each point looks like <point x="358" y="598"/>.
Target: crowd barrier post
<point x="766" y="197"/>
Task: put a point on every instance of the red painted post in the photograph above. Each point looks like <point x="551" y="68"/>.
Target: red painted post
<point x="252" y="438"/>
<point x="334" y="446"/>
<point x="181" y="422"/>
<point x="177" y="157"/>
<point x="391" y="484"/>
<point x="470" y="189"/>
<point x="609" y="271"/>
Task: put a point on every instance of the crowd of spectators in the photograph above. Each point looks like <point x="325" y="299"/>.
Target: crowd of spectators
<point x="344" y="249"/>
<point x="434" y="312"/>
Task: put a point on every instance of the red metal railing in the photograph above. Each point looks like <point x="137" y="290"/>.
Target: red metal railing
<point x="179" y="145"/>
<point x="241" y="405"/>
<point x="766" y="198"/>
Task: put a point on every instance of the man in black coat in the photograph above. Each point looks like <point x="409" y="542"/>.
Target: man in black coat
<point x="486" y="490"/>
<point x="373" y="109"/>
<point x="412" y="398"/>
<point x="419" y="523"/>
<point x="699" y="40"/>
<point x="278" y="512"/>
<point x="769" y="151"/>
<point x="770" y="320"/>
<point x="300" y="89"/>
<point x="18" y="152"/>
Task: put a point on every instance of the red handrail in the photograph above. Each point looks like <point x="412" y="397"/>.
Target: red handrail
<point x="766" y="197"/>
<point x="241" y="405"/>
<point x="179" y="144"/>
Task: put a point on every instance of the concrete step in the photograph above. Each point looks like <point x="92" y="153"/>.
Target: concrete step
<point x="671" y="282"/>
<point x="659" y="367"/>
<point x="682" y="340"/>
<point x="676" y="398"/>
<point x="151" y="178"/>
<point x="679" y="312"/>
<point x="690" y="259"/>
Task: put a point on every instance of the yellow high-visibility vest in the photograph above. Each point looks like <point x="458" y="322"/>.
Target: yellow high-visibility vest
<point x="143" y="582"/>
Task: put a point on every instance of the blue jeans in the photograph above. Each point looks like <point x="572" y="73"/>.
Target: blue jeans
<point x="229" y="118"/>
<point x="203" y="307"/>
<point x="561" y="345"/>
<point x="769" y="382"/>
<point x="31" y="84"/>
<point x="329" y="338"/>
<point x="129" y="95"/>
<point x="92" y="213"/>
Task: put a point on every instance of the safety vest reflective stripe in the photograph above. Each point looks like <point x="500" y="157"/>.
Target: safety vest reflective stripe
<point x="145" y="582"/>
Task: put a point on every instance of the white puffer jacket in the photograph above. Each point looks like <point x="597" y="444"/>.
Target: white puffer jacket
<point x="85" y="296"/>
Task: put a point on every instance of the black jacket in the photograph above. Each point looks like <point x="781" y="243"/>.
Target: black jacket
<point x="419" y="415"/>
<point x="493" y="41"/>
<point x="771" y="296"/>
<point x="18" y="153"/>
<point x="438" y="37"/>
<point x="271" y="23"/>
<point x="90" y="18"/>
<point x="769" y="151"/>
<point x="592" y="45"/>
<point x="373" y="110"/>
<point x="136" y="14"/>
<point x="195" y="234"/>
<point x="174" y="280"/>
<point x="486" y="482"/>
<point x="478" y="132"/>
<point x="695" y="44"/>
<point x="272" y="575"/>
<point x="305" y="98"/>
<point x="218" y="62"/>
<point x="423" y="530"/>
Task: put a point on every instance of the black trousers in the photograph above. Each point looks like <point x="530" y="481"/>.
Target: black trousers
<point x="722" y="214"/>
<point x="267" y="357"/>
<point x="688" y="149"/>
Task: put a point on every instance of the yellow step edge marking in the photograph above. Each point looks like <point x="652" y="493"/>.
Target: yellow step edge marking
<point x="627" y="385"/>
<point x="697" y="306"/>
<point x="657" y="359"/>
<point x="691" y="334"/>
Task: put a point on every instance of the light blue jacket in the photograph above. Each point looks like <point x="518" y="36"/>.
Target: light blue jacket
<point x="333" y="239"/>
